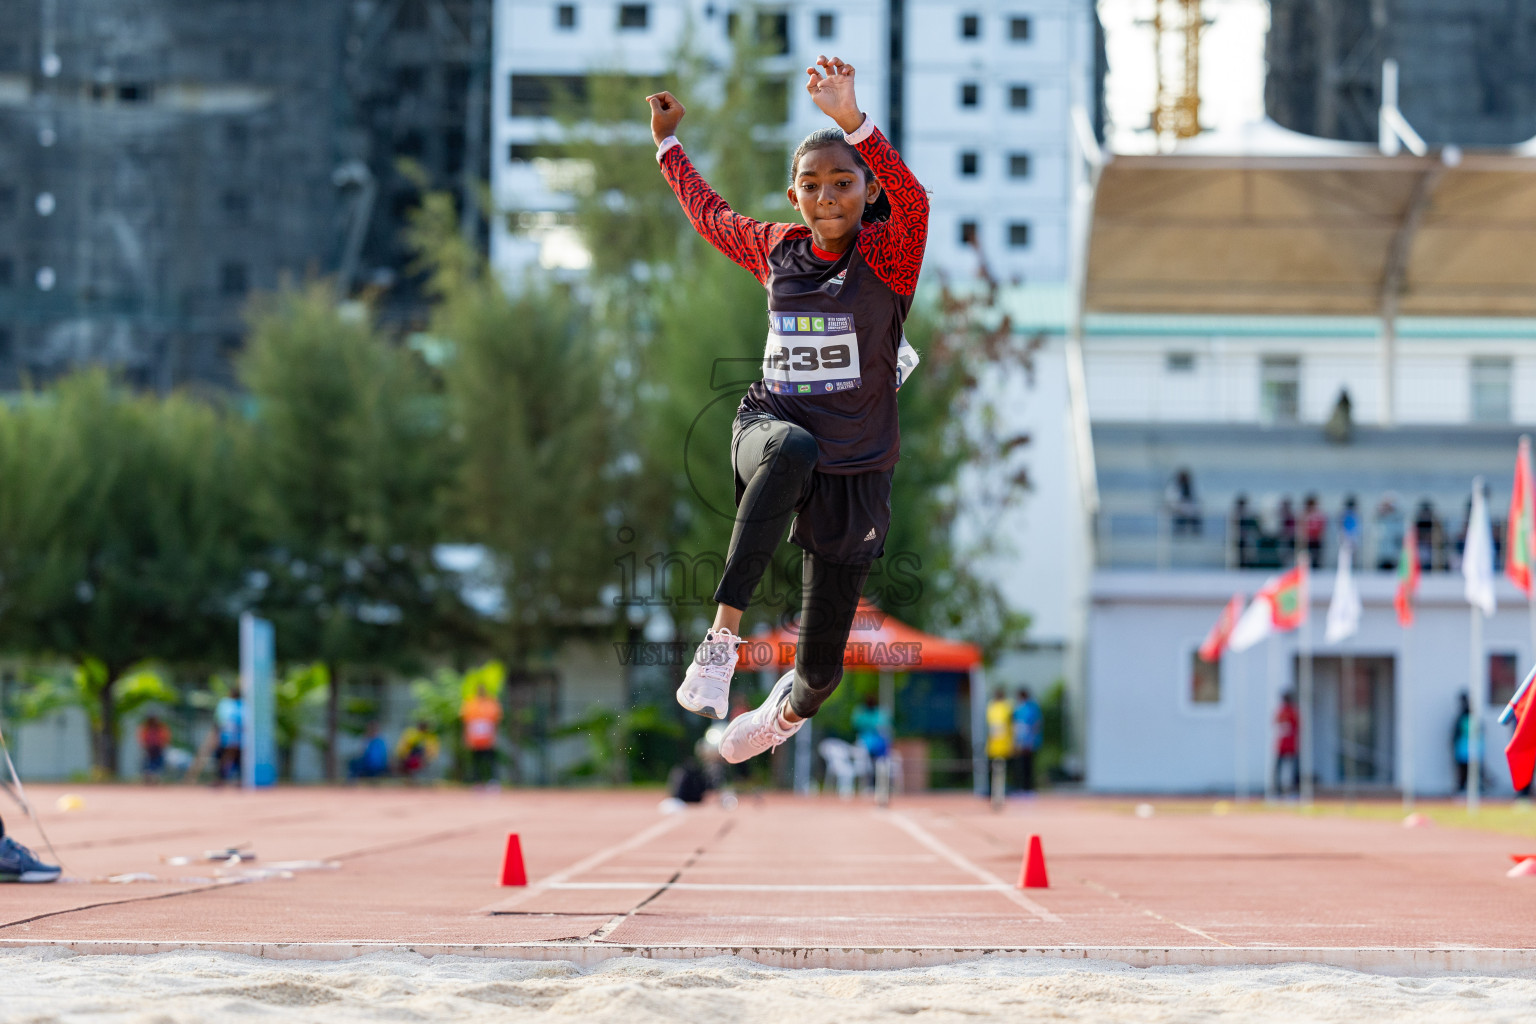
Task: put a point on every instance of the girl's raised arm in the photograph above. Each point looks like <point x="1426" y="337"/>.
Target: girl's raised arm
<point x="894" y="248"/>
<point x="744" y="241"/>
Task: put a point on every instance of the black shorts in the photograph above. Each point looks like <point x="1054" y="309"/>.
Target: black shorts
<point x="840" y="517"/>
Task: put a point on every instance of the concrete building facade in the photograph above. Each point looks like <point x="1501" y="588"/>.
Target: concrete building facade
<point x="977" y="95"/>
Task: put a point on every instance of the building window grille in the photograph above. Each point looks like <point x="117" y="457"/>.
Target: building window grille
<point x="635" y="16"/>
<point x="1491" y="389"/>
<point x="1180" y="362"/>
<point x="1018" y="29"/>
<point x="1280" y="389"/>
<point x="970" y="94"/>
<point x="967" y="232"/>
<point x="1018" y="234"/>
<point x="234" y="279"/>
<point x="1018" y="165"/>
<point x="970" y="26"/>
<point x="1018" y="97"/>
<point x="565" y="16"/>
<point x="968" y="162"/>
<point x="826" y="25"/>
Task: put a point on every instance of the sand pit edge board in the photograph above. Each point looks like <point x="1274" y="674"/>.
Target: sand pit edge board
<point x="1374" y="960"/>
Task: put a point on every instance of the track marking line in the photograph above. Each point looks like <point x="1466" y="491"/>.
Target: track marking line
<point x="1154" y="914"/>
<point x="764" y="887"/>
<point x="608" y="853"/>
<point x="993" y="882"/>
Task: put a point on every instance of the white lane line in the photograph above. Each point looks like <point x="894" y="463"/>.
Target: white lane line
<point x="764" y="887"/>
<point x="994" y="883"/>
<point x="559" y="877"/>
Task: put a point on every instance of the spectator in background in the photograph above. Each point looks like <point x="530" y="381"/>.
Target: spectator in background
<point x="1349" y="524"/>
<point x="416" y="750"/>
<point x="1462" y="754"/>
<point x="999" y="740"/>
<point x="1340" y="428"/>
<point x="1287" y="535"/>
<point x="1389" y="533"/>
<point x="154" y="737"/>
<point x="1245" y="527"/>
<point x="871" y="728"/>
<point x="1287" y="725"/>
<point x="1429" y="536"/>
<point x="373" y="762"/>
<point x="1314" y="527"/>
<point x="1183" y="506"/>
<point x="481" y="714"/>
<point x="1027" y="720"/>
<point x="228" y="719"/>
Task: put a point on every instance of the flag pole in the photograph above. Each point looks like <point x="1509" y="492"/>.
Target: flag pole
<point x="1240" y="776"/>
<point x="1407" y="723"/>
<point x="1475" y="704"/>
<point x="1270" y="672"/>
<point x="1304" y="699"/>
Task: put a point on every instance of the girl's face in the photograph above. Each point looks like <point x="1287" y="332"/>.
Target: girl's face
<point x="830" y="191"/>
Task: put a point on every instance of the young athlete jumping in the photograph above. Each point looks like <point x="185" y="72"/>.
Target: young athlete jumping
<point x="817" y="435"/>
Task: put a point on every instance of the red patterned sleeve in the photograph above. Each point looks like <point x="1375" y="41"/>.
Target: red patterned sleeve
<point x="894" y="248"/>
<point x="745" y="241"/>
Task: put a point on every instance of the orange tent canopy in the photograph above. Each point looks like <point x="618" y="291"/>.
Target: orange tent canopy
<point x="877" y="641"/>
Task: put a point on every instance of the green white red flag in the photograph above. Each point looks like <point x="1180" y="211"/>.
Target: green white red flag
<point x="1280" y="605"/>
<point x="1407" y="576"/>
<point x="1216" y="639"/>
<point x="1518" y="536"/>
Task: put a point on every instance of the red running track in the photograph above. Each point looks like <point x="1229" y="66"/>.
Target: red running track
<point x="782" y="879"/>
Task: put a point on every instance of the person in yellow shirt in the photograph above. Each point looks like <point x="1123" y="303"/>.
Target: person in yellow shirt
<point x="999" y="741"/>
<point x="416" y="750"/>
<point x="481" y="714"/>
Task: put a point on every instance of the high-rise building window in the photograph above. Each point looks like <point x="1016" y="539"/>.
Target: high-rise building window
<point x="826" y="25"/>
<point x="1018" y="165"/>
<point x="237" y="137"/>
<point x="236" y="206"/>
<point x="967" y="232"/>
<point x="1491" y="389"/>
<point x="565" y="16"/>
<point x="409" y="79"/>
<point x="1018" y="97"/>
<point x="1018" y="234"/>
<point x="7" y="201"/>
<point x="970" y="94"/>
<point x="5" y="342"/>
<point x="968" y="161"/>
<point x="1018" y="29"/>
<point x="1280" y="389"/>
<point x="970" y="26"/>
<point x="234" y="279"/>
<point x="7" y="271"/>
<point x="634" y="15"/>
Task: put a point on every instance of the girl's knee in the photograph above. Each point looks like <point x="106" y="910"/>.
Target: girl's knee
<point x="798" y="449"/>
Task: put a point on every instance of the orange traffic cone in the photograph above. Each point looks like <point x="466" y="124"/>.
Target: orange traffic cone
<point x="512" y="871"/>
<point x="1032" y="871"/>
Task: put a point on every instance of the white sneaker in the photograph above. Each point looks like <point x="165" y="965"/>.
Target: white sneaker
<point x="706" y="688"/>
<point x="760" y="729"/>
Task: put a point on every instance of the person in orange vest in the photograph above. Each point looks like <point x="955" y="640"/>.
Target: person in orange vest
<point x="481" y="715"/>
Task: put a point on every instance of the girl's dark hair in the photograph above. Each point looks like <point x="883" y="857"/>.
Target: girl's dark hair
<point x="880" y="209"/>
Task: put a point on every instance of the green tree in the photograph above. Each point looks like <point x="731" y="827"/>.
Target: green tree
<point x="533" y="437"/>
<point x="350" y="462"/>
<point x="122" y="526"/>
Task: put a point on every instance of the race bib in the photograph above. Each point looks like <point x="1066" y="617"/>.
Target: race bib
<point x="811" y="354"/>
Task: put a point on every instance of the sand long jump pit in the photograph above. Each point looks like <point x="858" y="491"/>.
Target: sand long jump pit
<point x="380" y="904"/>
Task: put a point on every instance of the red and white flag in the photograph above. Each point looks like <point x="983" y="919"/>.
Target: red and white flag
<point x="1216" y="639"/>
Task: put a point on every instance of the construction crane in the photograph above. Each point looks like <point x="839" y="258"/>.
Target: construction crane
<point x="1177" y="23"/>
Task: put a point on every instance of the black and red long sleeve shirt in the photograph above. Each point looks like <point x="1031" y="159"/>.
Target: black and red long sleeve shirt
<point x="834" y="319"/>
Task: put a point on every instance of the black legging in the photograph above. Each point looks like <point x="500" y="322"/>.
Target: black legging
<point x="775" y="463"/>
